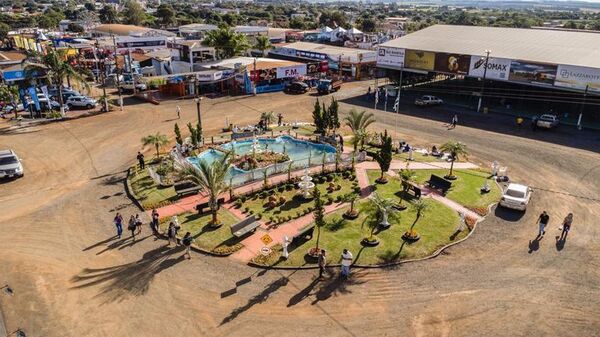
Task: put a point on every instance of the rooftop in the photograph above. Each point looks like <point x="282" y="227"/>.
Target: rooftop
<point x="326" y="49"/>
<point x="126" y="30"/>
<point x="537" y="45"/>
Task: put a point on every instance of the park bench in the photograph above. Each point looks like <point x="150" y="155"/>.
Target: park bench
<point x="200" y="207"/>
<point x="186" y="187"/>
<point x="439" y="183"/>
<point x="415" y="189"/>
<point x="304" y="233"/>
<point x="245" y="226"/>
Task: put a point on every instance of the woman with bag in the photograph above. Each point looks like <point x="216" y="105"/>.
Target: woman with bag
<point x="187" y="242"/>
<point x="131" y="226"/>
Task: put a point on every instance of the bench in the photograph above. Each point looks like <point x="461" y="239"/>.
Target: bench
<point x="186" y="187"/>
<point x="305" y="233"/>
<point x="415" y="189"/>
<point x="200" y="207"/>
<point x="439" y="183"/>
<point x="244" y="227"/>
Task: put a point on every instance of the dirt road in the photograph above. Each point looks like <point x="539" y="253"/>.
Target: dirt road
<point x="71" y="277"/>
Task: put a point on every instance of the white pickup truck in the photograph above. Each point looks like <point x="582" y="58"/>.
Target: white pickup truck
<point x="547" y="121"/>
<point x="428" y="100"/>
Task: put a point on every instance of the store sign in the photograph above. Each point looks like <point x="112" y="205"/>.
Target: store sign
<point x="578" y="78"/>
<point x="452" y="63"/>
<point x="533" y="73"/>
<point x="390" y="57"/>
<point x="497" y="68"/>
<point x="416" y="59"/>
<point x="209" y="76"/>
<point x="264" y="74"/>
<point x="311" y="55"/>
<point x="291" y="71"/>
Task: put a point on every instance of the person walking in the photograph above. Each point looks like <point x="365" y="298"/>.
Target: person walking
<point x="322" y="263"/>
<point x="131" y="226"/>
<point x="543" y="221"/>
<point x="346" y="262"/>
<point x="187" y="243"/>
<point x="118" y="220"/>
<point x="178" y="112"/>
<point x="154" y="223"/>
<point x="171" y="233"/>
<point x="566" y="226"/>
<point x="140" y="158"/>
<point x="138" y="224"/>
<point x="454" y="121"/>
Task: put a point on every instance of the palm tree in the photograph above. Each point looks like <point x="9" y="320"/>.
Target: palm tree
<point x="158" y="140"/>
<point x="406" y="176"/>
<point x="57" y="68"/>
<point x="319" y="215"/>
<point x="226" y="42"/>
<point x="263" y="44"/>
<point x="421" y="208"/>
<point x="358" y="123"/>
<point x="384" y="208"/>
<point x="456" y="149"/>
<point x="210" y="177"/>
<point x="268" y="118"/>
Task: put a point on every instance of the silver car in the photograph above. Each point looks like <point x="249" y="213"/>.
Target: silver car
<point x="10" y="164"/>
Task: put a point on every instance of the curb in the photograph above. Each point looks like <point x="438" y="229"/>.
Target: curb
<point x="195" y="248"/>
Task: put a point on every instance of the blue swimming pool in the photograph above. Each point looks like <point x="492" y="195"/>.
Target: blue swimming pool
<point x="301" y="153"/>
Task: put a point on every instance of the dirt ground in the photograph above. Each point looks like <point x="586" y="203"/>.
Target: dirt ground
<point x="72" y="277"/>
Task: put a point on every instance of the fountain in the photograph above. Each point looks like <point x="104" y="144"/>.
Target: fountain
<point x="255" y="146"/>
<point x="306" y="184"/>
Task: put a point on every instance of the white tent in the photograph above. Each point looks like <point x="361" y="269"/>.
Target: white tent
<point x="354" y="31"/>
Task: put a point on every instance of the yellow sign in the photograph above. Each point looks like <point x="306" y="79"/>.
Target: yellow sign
<point x="416" y="59"/>
<point x="266" y="239"/>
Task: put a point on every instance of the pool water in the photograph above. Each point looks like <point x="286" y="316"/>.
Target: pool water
<point x="301" y="152"/>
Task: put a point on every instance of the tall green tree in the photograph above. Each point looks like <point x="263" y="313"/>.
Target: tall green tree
<point x="318" y="118"/>
<point x="384" y="156"/>
<point x="108" y="14"/>
<point x="319" y="215"/>
<point x="333" y="120"/>
<point x="263" y="44"/>
<point x="211" y="180"/>
<point x="358" y="122"/>
<point x="157" y="140"/>
<point x="457" y="150"/>
<point x="166" y="15"/>
<point x="226" y="42"/>
<point x="178" y="138"/>
<point x="57" y="68"/>
<point x="133" y="13"/>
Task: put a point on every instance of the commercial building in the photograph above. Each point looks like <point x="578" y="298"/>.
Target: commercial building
<point x="128" y="37"/>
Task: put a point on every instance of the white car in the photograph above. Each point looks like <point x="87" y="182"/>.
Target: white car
<point x="428" y="100"/>
<point x="81" y="101"/>
<point x="10" y="164"/>
<point x="128" y="85"/>
<point x="516" y="196"/>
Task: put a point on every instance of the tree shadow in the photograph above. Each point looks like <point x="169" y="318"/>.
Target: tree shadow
<point x="257" y="299"/>
<point x="335" y="285"/>
<point x="303" y="294"/>
<point x="131" y="279"/>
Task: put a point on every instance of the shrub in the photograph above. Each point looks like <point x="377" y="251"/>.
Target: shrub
<point x="242" y="198"/>
<point x="238" y="203"/>
<point x="356" y="189"/>
<point x="338" y="198"/>
<point x="258" y="216"/>
<point x="251" y="212"/>
<point x="247" y="209"/>
<point x="329" y="200"/>
<point x="263" y="194"/>
<point x="271" y="219"/>
<point x="289" y="218"/>
<point x="289" y="187"/>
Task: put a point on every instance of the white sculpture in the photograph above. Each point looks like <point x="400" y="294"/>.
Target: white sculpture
<point x="410" y="154"/>
<point x="285" y="244"/>
<point x="306" y="184"/>
<point x="384" y="219"/>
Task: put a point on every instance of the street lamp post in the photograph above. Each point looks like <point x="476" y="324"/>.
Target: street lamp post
<point x="487" y="57"/>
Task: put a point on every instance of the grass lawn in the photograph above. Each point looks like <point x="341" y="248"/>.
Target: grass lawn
<point x="148" y="193"/>
<point x="295" y="205"/>
<point x="436" y="227"/>
<point x="217" y="240"/>
<point x="466" y="189"/>
<point x="417" y="156"/>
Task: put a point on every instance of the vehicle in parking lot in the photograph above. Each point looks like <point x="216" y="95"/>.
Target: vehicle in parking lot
<point x="428" y="100"/>
<point x="10" y="164"/>
<point x="128" y="85"/>
<point x="326" y="86"/>
<point x="81" y="102"/>
<point x="296" y="88"/>
<point x="516" y="196"/>
<point x="547" y="121"/>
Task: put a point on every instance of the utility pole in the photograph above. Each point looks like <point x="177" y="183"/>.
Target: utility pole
<point x="582" y="106"/>
<point x="131" y="68"/>
<point x="102" y="76"/>
<point x="487" y="57"/>
<point x="398" y="99"/>
<point x="117" y="71"/>
<point x="253" y="80"/>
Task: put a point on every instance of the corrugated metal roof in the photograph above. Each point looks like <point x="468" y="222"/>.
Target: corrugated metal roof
<point x="327" y="49"/>
<point x="538" y="45"/>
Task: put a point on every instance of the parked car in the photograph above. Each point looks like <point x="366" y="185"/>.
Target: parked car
<point x="81" y="102"/>
<point x="547" y="121"/>
<point x="325" y="86"/>
<point x="516" y="196"/>
<point x="53" y="92"/>
<point x="296" y="88"/>
<point x="10" y="164"/>
<point x="128" y="85"/>
<point x="10" y="108"/>
<point x="428" y="100"/>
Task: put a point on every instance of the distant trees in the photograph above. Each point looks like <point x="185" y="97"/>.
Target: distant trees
<point x="166" y="15"/>
<point x="333" y="19"/>
<point x="133" y="13"/>
<point x="108" y="14"/>
<point x="263" y="44"/>
<point x="226" y="42"/>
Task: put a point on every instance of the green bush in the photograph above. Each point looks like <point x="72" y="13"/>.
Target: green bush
<point x="246" y="210"/>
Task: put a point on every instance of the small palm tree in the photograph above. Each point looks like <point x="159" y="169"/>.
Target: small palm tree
<point x="267" y="117"/>
<point x="319" y="215"/>
<point x="226" y="42"/>
<point x="57" y="68"/>
<point x="211" y="178"/>
<point x="384" y="209"/>
<point x="421" y="208"/>
<point x="407" y="177"/>
<point x="158" y="140"/>
<point x="263" y="44"/>
<point x="456" y="149"/>
<point x="351" y="198"/>
<point x="358" y="123"/>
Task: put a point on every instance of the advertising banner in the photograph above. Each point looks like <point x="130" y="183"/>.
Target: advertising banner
<point x="578" y="78"/>
<point x="497" y="68"/>
<point x="264" y="74"/>
<point x="416" y="59"/>
<point x="291" y="71"/>
<point x="452" y="63"/>
<point x="533" y="73"/>
<point x="390" y="57"/>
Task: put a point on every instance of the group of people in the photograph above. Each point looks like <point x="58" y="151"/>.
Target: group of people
<point x="565" y="227"/>
<point x="346" y="262"/>
<point x="134" y="225"/>
<point x="186" y="241"/>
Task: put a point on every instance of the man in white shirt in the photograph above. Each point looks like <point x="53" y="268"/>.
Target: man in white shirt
<point x="346" y="262"/>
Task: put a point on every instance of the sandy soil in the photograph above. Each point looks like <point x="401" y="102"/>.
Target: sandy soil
<point x="71" y="277"/>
